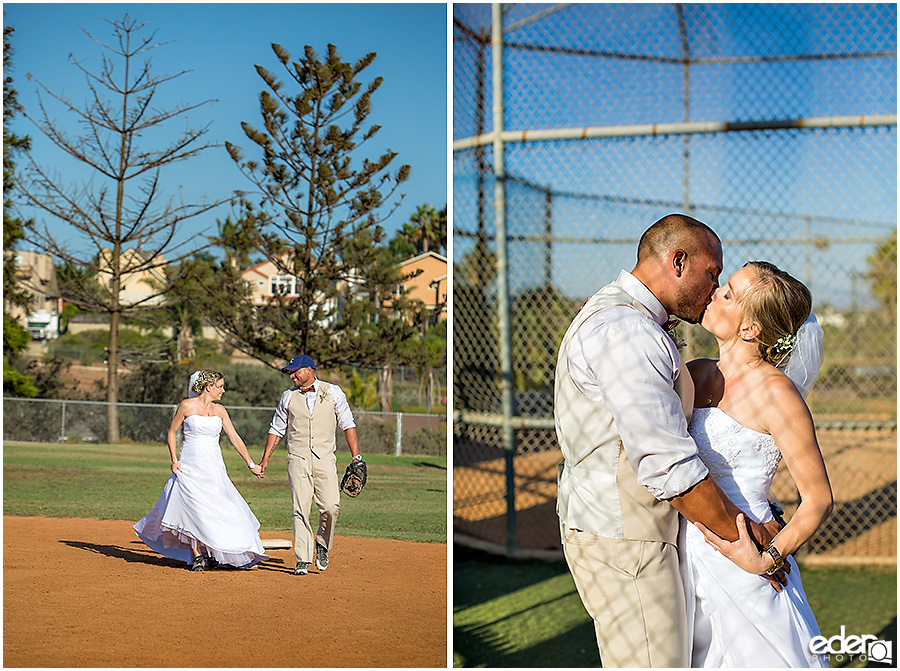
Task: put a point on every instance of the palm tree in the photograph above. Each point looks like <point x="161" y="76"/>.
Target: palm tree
<point x="428" y="229"/>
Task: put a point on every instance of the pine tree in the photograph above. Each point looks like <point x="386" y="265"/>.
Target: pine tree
<point x="119" y="209"/>
<point x="316" y="213"/>
<point x="15" y="336"/>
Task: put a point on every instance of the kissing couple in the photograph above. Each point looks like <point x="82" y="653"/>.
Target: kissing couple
<point x="663" y="508"/>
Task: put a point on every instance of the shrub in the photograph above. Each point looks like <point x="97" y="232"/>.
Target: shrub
<point x="431" y="441"/>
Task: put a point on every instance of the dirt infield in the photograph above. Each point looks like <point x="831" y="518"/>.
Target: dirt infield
<point x="862" y="468"/>
<point x="88" y="593"/>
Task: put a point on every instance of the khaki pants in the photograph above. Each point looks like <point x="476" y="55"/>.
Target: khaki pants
<point x="633" y="592"/>
<point x="313" y="478"/>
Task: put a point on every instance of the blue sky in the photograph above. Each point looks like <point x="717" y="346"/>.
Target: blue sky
<point x="220" y="43"/>
<point x="755" y="189"/>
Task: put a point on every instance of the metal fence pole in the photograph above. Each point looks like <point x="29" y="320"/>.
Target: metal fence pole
<point x="62" y="428"/>
<point x="680" y="128"/>
<point x="506" y="372"/>
<point x="398" y="441"/>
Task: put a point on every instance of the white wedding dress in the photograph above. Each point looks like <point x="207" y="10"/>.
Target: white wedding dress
<point x="202" y="504"/>
<point x="735" y="618"/>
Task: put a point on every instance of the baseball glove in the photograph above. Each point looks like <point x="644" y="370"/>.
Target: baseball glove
<point x="354" y="478"/>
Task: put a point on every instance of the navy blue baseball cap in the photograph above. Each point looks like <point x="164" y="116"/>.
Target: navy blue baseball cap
<point x="298" y="362"/>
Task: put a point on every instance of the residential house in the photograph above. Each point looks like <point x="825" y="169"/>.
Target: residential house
<point x="266" y="280"/>
<point x="37" y="275"/>
<point x="138" y="285"/>
<point x="429" y="285"/>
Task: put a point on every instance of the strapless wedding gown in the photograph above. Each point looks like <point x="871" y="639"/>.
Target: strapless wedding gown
<point x="735" y="618"/>
<point x="202" y="504"/>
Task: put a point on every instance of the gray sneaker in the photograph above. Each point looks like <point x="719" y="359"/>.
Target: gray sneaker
<point x="302" y="568"/>
<point x="321" y="557"/>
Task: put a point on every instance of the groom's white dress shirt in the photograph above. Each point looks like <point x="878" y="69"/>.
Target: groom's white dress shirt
<point x="618" y="358"/>
<point x="621" y="397"/>
<point x="342" y="410"/>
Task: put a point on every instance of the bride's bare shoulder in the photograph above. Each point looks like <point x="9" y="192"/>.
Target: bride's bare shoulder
<point x="778" y="388"/>
<point x="187" y="405"/>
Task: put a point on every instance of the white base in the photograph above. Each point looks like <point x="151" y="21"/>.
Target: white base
<point x="276" y="544"/>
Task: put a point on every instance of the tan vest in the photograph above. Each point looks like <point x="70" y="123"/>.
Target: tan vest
<point x="598" y="490"/>
<point x="312" y="431"/>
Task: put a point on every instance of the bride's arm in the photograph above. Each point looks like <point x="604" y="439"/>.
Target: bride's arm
<point x="788" y="421"/>
<point x="172" y="435"/>
<point x="235" y="439"/>
<point x="791" y="426"/>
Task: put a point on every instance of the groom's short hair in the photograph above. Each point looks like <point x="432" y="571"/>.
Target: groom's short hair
<point x="671" y="232"/>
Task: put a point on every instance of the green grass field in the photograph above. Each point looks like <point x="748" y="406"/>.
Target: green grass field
<point x="405" y="497"/>
<point x="528" y="614"/>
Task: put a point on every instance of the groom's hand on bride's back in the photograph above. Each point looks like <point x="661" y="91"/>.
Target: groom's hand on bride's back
<point x="746" y="551"/>
<point x="762" y="535"/>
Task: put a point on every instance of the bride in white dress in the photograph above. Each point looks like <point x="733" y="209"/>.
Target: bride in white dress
<point x="200" y="517"/>
<point x="748" y="415"/>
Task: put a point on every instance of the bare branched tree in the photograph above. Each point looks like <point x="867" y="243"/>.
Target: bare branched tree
<point x="118" y="212"/>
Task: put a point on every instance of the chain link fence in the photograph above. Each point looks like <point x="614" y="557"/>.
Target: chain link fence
<point x="773" y="123"/>
<point x="53" y="421"/>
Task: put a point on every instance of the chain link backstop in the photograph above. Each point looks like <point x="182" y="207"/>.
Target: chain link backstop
<point x="576" y="127"/>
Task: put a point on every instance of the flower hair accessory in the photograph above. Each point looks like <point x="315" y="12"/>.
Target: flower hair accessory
<point x="786" y="344"/>
<point x="204" y="378"/>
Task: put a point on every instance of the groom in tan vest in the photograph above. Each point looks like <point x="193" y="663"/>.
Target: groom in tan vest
<point x="621" y="398"/>
<point x="309" y="414"/>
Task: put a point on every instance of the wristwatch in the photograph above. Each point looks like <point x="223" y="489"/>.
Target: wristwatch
<point x="776" y="557"/>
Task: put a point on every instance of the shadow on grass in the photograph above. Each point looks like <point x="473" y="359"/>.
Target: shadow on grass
<point x="425" y="464"/>
<point x="887" y="633"/>
<point x="861" y="598"/>
<point x="576" y="648"/>
<point x="479" y="577"/>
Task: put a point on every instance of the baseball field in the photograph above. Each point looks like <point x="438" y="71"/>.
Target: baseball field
<point x="80" y="589"/>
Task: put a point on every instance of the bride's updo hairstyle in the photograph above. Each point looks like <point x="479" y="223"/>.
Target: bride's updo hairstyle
<point x="779" y="303"/>
<point x="205" y="379"/>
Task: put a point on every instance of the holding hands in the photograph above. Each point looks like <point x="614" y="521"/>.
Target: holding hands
<point x="256" y="469"/>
